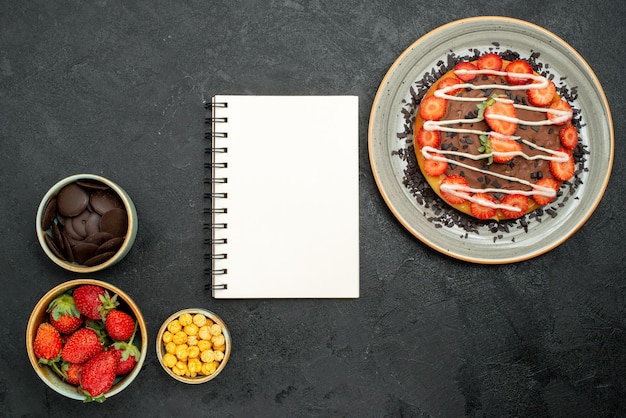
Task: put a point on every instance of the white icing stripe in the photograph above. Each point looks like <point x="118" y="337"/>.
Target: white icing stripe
<point x="557" y="156"/>
<point x="543" y="82"/>
<point x="483" y="202"/>
<point x="462" y="191"/>
<point x="544" y="191"/>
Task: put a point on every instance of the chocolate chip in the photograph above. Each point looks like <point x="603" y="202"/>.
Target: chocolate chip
<point x="92" y="185"/>
<point x="67" y="248"/>
<point x="71" y="233"/>
<point x="61" y="219"/>
<point x="98" y="259"/>
<point x="98" y="237"/>
<point x="103" y="201"/>
<point x="112" y="244"/>
<point x="49" y="212"/>
<point x="92" y="224"/>
<point x="79" y="223"/>
<point x="84" y="251"/>
<point x="72" y="200"/>
<point x="114" y="222"/>
<point x="53" y="247"/>
<point x="56" y="235"/>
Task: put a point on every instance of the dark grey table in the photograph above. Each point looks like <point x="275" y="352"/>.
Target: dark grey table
<point x="117" y="88"/>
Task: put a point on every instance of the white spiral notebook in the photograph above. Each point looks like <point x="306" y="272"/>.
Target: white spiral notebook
<point x="284" y="211"/>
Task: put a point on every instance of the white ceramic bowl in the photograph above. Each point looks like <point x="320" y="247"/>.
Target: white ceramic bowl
<point x="39" y="315"/>
<point x="161" y="350"/>
<point x="43" y="235"/>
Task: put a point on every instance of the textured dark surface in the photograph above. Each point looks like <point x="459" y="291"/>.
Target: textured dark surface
<point x="117" y="88"/>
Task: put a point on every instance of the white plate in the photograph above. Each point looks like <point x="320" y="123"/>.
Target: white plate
<point x="432" y="223"/>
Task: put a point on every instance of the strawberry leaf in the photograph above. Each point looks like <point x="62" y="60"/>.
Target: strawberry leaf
<point x="89" y="398"/>
<point x="63" y="305"/>
<point x="484" y="105"/>
<point x="485" y="147"/>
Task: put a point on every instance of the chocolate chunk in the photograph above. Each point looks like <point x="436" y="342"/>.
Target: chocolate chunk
<point x="92" y="224"/>
<point x="72" y="200"/>
<point x="103" y="201"/>
<point x="49" y="212"/>
<point x="111" y="245"/>
<point x="114" y="222"/>
<point x="53" y="247"/>
<point x="98" y="238"/>
<point x="92" y="185"/>
<point x="79" y="223"/>
<point x="56" y="234"/>
<point x="84" y="251"/>
<point x="61" y="219"/>
<point x="70" y="232"/>
<point x="67" y="249"/>
<point x="98" y="259"/>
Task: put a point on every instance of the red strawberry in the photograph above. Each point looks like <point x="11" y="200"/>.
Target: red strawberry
<point x="520" y="201"/>
<point x="428" y="138"/>
<point x="494" y="110"/>
<point x="92" y="301"/>
<point x="549" y="183"/>
<point x="490" y="61"/>
<point x="569" y="137"/>
<point x="66" y="324"/>
<point x="47" y="345"/>
<point x="563" y="170"/>
<point x="435" y="168"/>
<point x="72" y="373"/>
<point x="433" y="108"/>
<point x="503" y="145"/>
<point x="518" y="67"/>
<point x="465" y="65"/>
<point x="119" y="325"/>
<point x="561" y="119"/>
<point x="541" y="97"/>
<point x="82" y="345"/>
<point x="64" y="315"/>
<point x="482" y="211"/>
<point x="449" y="82"/>
<point x="98" y="375"/>
<point x="125" y="366"/>
<point x="455" y="182"/>
<point x="127" y="354"/>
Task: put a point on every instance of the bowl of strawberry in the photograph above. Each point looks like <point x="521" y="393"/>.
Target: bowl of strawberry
<point x="86" y="339"/>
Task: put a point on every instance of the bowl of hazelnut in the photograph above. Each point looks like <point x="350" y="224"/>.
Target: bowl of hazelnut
<point x="86" y="223"/>
<point x="193" y="345"/>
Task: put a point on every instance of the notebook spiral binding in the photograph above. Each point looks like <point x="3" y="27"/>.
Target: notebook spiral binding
<point x="212" y="169"/>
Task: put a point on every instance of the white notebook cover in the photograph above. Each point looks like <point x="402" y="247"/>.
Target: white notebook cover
<point x="292" y="205"/>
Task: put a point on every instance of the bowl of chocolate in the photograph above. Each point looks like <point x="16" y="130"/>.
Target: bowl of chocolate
<point x="86" y="223"/>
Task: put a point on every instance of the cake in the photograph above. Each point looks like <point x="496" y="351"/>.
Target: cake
<point x="494" y="139"/>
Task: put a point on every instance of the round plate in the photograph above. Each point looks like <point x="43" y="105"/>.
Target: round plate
<point x="402" y="186"/>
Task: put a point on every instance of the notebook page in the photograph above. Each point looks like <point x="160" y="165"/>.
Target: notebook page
<point x="292" y="206"/>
